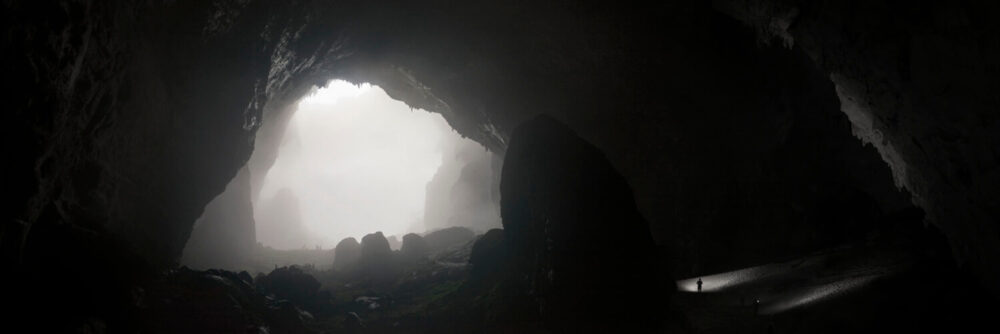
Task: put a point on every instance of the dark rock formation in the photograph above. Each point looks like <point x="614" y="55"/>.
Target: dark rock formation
<point x="346" y="253"/>
<point x="489" y="253"/>
<point x="375" y="248"/>
<point x="574" y="232"/>
<point x="245" y="277"/>
<point x="214" y="301"/>
<point x="140" y="160"/>
<point x="914" y="88"/>
<point x="448" y="237"/>
<point x="225" y="235"/>
<point x="377" y="261"/>
<point x="79" y="276"/>
<point x="291" y="283"/>
<point x="129" y="117"/>
<point x="353" y="323"/>
<point x="414" y="246"/>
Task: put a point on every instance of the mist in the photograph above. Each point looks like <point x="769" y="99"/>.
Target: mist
<point x="354" y="161"/>
<point x="465" y="190"/>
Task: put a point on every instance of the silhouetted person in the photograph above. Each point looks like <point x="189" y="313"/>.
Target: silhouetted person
<point x="756" y="306"/>
<point x="699" y="285"/>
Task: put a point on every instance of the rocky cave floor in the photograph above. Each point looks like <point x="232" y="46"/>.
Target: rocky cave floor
<point x="877" y="286"/>
<point x="409" y="295"/>
<point x="899" y="283"/>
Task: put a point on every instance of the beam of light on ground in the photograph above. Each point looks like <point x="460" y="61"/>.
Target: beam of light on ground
<point x="813" y="295"/>
<point x="727" y="280"/>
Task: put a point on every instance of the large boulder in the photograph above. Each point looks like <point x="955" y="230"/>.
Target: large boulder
<point x="488" y="254"/>
<point x="575" y="234"/>
<point x="377" y="261"/>
<point x="291" y="283"/>
<point x="445" y="238"/>
<point x="346" y="253"/>
<point x="375" y="248"/>
<point x="414" y="246"/>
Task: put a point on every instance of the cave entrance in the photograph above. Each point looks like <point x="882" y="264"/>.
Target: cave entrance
<point x="349" y="161"/>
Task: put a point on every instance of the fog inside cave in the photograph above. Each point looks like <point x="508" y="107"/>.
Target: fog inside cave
<point x="353" y="161"/>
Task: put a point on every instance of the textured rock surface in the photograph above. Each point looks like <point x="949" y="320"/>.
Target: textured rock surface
<point x="377" y="260"/>
<point x="919" y="84"/>
<point x="290" y="283"/>
<point x="129" y="117"/>
<point x="448" y="237"/>
<point x="489" y="253"/>
<point x="575" y="234"/>
<point x="213" y="301"/>
<point x="414" y="246"/>
<point x="375" y="248"/>
<point x="181" y="138"/>
<point x="346" y="253"/>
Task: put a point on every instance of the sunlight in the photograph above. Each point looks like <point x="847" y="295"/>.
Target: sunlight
<point x="353" y="161"/>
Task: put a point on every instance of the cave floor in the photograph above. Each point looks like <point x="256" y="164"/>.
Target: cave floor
<point x="897" y="285"/>
<point x="874" y="286"/>
<point x="865" y="288"/>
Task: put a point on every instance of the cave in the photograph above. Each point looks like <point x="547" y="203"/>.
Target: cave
<point x="350" y="161"/>
<point x="686" y="166"/>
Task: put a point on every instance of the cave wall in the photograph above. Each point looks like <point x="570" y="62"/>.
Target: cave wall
<point x="117" y="110"/>
<point x="918" y="82"/>
<point x="225" y="236"/>
<point x="133" y="116"/>
<point x="136" y="115"/>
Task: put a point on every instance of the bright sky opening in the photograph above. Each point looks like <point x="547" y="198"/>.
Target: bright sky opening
<point x="354" y="161"/>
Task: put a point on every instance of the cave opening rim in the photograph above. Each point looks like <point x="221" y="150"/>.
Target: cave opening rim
<point x="361" y="87"/>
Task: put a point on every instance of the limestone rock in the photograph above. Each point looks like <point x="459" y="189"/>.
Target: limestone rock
<point x="377" y="260"/>
<point x="488" y="253"/>
<point x="414" y="246"/>
<point x="375" y="247"/>
<point x="346" y="253"/>
<point x="290" y="283"/>
<point x="448" y="237"/>
<point x="576" y="236"/>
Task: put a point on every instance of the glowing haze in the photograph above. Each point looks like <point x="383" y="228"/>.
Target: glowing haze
<point x="353" y="161"/>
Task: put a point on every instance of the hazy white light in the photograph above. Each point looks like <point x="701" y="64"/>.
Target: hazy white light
<point x="727" y="280"/>
<point x="776" y="301"/>
<point x="358" y="162"/>
<point x="815" y="294"/>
